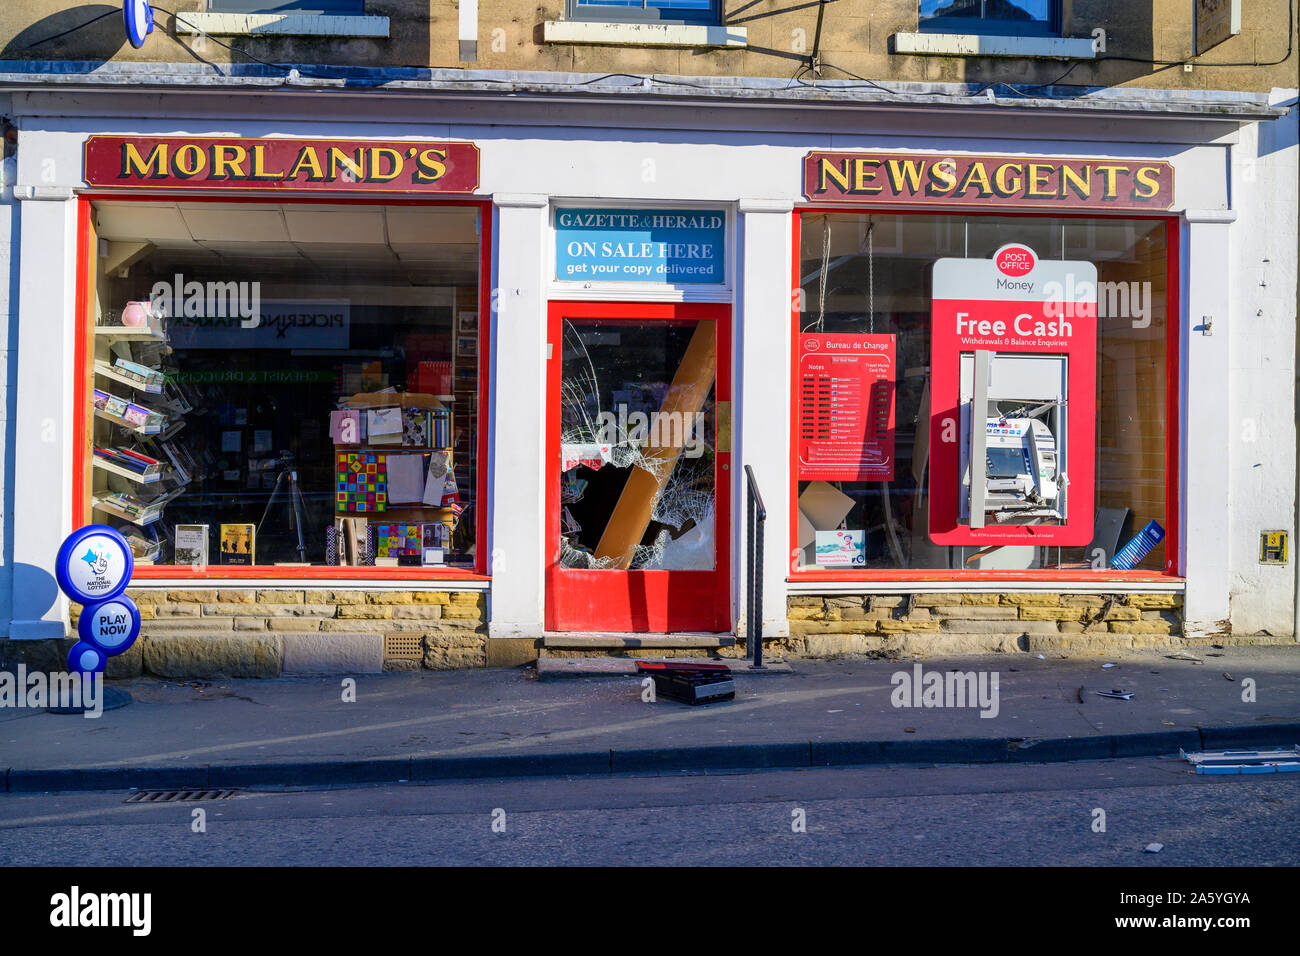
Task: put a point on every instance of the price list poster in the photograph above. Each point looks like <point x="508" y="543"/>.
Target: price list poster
<point x="846" y="407"/>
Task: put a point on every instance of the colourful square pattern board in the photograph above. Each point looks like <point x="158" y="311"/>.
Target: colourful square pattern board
<point x="362" y="481"/>
<point x="398" y="540"/>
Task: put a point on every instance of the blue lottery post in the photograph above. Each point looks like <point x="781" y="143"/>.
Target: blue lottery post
<point x="112" y="626"/>
<point x="94" y="567"/>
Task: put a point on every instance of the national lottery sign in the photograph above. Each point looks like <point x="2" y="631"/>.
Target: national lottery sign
<point x="94" y="564"/>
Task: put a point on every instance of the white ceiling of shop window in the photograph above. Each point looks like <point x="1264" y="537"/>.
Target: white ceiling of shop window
<point x="409" y="225"/>
<point x="263" y="250"/>
<point x="213" y="223"/>
<point x="356" y="226"/>
<point x="422" y="242"/>
<point x="128" y="221"/>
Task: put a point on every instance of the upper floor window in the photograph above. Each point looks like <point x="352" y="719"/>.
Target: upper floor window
<point x="336" y="7"/>
<point x="664" y="11"/>
<point x="998" y="17"/>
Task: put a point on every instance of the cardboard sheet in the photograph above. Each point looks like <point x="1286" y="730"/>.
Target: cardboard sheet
<point x="824" y="505"/>
<point x="807" y="533"/>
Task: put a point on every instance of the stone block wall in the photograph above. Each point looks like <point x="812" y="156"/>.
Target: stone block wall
<point x="959" y="622"/>
<point x="266" y="632"/>
<point x="269" y="632"/>
<point x="856" y="38"/>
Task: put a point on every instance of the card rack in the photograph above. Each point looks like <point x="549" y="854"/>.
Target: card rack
<point x="136" y="411"/>
<point x="361" y="485"/>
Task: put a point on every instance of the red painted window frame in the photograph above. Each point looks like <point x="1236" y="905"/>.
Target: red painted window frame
<point x="143" y="573"/>
<point x="1173" y="346"/>
<point x="721" y="315"/>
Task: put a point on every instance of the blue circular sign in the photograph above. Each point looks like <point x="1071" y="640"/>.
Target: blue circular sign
<point x="138" y="16"/>
<point x="94" y="564"/>
<point x="86" y="658"/>
<point x="112" y="626"/>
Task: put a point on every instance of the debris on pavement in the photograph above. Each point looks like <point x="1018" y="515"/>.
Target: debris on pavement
<point x="1107" y="666"/>
<point x="1228" y="676"/>
<point x="1153" y="848"/>
<point x="1244" y="761"/>
<point x="690" y="683"/>
<point x="1184" y="656"/>
<point x="1116" y="694"/>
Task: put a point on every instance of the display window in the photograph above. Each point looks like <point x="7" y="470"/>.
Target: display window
<point x="983" y="393"/>
<point x="285" y="388"/>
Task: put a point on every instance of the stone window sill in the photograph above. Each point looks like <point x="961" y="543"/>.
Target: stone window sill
<point x="643" y="34"/>
<point x="281" y="24"/>
<point x="974" y="44"/>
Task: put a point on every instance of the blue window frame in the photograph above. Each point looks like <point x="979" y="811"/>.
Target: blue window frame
<point x="994" y="17"/>
<point x="662" y="11"/>
<point x="336" y="7"/>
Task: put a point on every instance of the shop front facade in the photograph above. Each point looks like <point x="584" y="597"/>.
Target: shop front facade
<point x="423" y="381"/>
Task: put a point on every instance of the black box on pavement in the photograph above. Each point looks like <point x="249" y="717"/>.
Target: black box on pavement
<point x="690" y="683"/>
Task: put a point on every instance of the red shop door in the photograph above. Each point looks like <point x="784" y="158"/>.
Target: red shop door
<point x="639" y="467"/>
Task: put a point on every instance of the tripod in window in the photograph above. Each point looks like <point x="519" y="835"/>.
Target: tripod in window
<point x="287" y="481"/>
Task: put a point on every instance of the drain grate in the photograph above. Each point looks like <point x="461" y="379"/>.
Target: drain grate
<point x="179" y="796"/>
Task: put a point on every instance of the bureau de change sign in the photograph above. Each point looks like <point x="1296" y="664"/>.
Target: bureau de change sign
<point x="641" y="245"/>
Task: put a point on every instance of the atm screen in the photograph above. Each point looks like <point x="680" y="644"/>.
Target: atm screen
<point x="1005" y="463"/>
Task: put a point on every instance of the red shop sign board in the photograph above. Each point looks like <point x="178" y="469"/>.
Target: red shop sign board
<point x="1011" y="181"/>
<point x="1013" y="303"/>
<point x="353" y="166"/>
<point x="846" y="407"/>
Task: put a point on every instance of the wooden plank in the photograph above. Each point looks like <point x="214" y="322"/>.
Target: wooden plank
<point x="686" y="396"/>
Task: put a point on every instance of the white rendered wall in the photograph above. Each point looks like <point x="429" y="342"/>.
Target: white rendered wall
<point x="1262" y="436"/>
<point x="43" y="428"/>
<point x="1207" y="339"/>
<point x="516" y="495"/>
<point x="761" y="414"/>
<point x="9" y="261"/>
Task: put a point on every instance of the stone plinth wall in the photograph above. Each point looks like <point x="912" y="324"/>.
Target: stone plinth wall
<point x="267" y="632"/>
<point x="959" y="622"/>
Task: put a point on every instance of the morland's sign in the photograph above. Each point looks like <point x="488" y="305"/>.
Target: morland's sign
<point x="891" y="179"/>
<point x="173" y="162"/>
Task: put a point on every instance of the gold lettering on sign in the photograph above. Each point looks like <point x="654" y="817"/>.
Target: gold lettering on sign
<point x="135" y="164"/>
<point x="1005" y="181"/>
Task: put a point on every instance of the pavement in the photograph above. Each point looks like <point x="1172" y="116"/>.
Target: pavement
<point x="474" y="724"/>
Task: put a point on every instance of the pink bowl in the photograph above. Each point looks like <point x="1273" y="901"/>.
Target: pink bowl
<point x="136" y="314"/>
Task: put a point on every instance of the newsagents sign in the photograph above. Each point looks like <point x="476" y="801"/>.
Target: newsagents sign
<point x="679" y="246"/>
